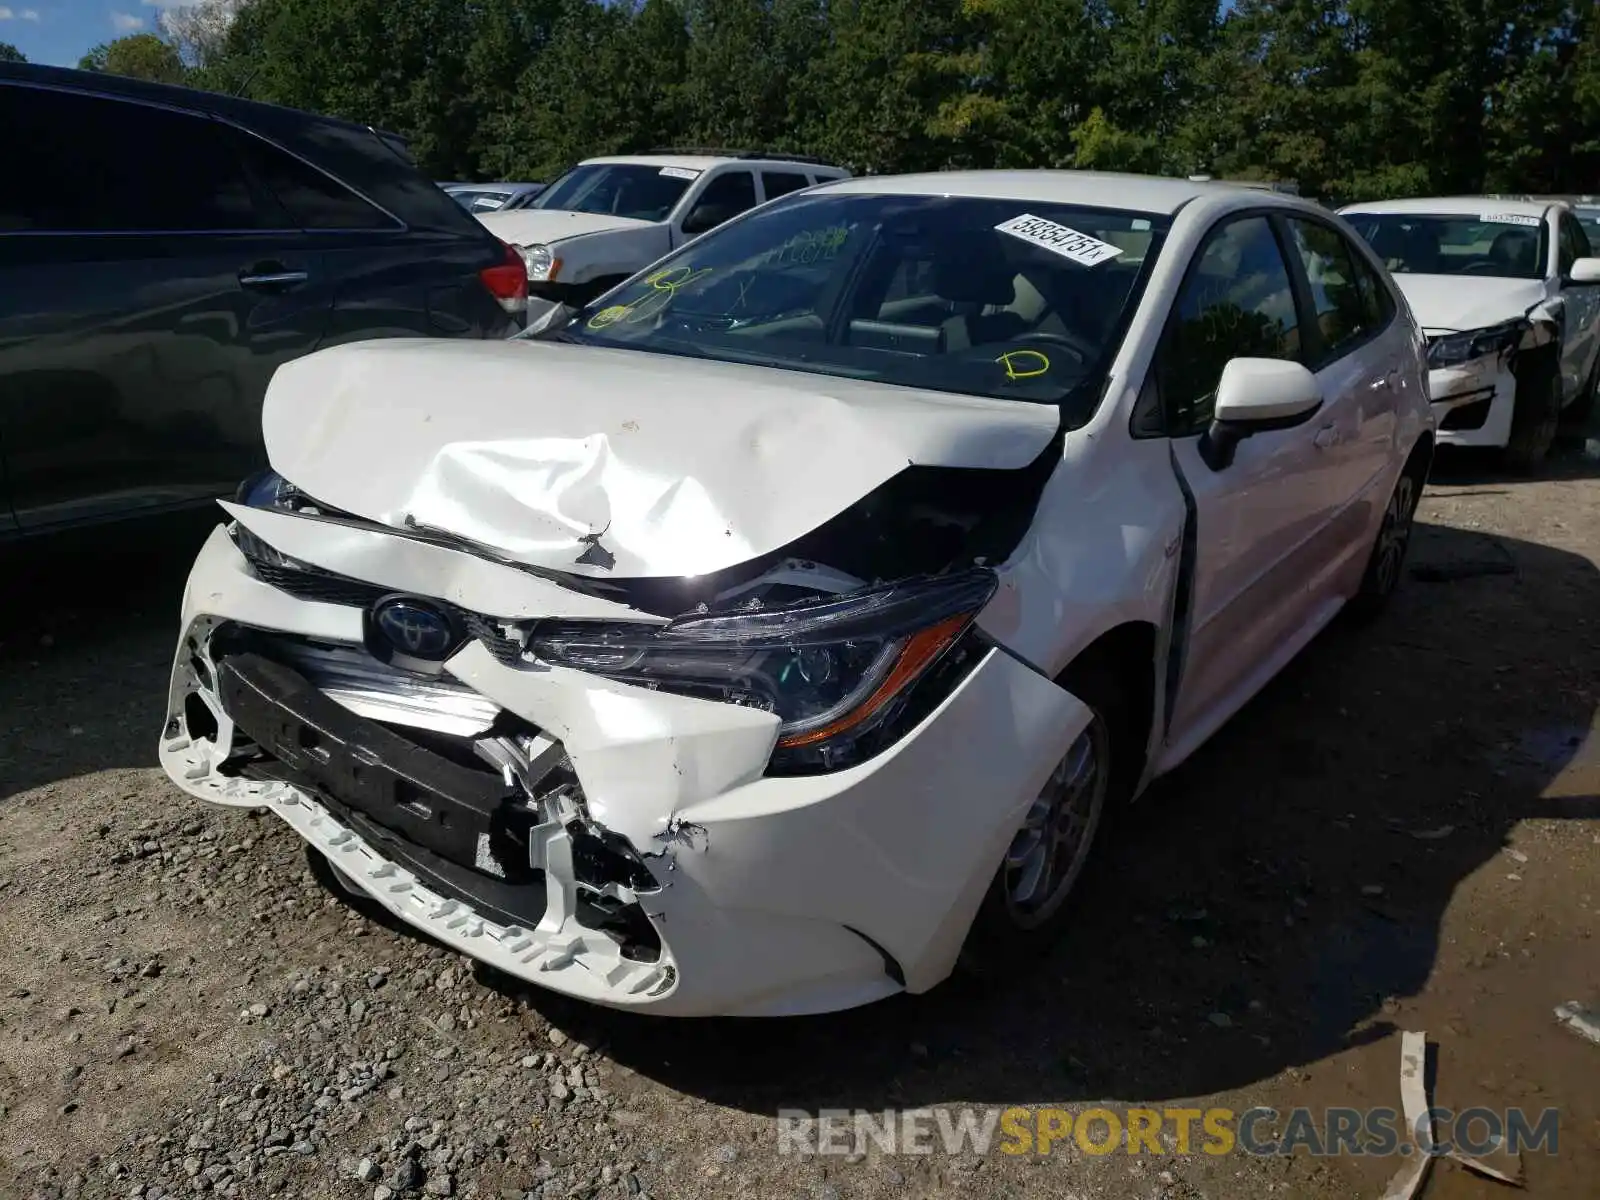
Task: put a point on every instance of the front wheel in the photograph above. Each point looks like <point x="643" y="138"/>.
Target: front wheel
<point x="1577" y="413"/>
<point x="1030" y="897"/>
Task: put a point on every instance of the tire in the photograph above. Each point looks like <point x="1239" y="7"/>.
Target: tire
<point x="1386" y="563"/>
<point x="1576" y="415"/>
<point x="1536" y="416"/>
<point x="1096" y="773"/>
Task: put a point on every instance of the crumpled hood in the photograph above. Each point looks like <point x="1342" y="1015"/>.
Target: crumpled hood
<point x="615" y="463"/>
<point x="1462" y="302"/>
<point x="539" y="226"/>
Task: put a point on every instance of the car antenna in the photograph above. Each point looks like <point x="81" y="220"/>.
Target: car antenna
<point x="238" y="92"/>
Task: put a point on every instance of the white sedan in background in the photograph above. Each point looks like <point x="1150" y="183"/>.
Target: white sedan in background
<point x="1506" y="292"/>
<point x="779" y="629"/>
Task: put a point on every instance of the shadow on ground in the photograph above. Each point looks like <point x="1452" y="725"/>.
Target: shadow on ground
<point x="1242" y="885"/>
<point x="88" y="623"/>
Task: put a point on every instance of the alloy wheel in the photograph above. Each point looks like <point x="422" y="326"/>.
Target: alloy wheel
<point x="1049" y="852"/>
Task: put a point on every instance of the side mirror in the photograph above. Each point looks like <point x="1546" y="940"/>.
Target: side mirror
<point x="1584" y="271"/>
<point x="704" y="217"/>
<point x="1257" y="395"/>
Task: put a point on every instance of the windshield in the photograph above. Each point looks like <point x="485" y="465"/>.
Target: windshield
<point x="638" y="190"/>
<point x="1503" y="245"/>
<point x="1012" y="299"/>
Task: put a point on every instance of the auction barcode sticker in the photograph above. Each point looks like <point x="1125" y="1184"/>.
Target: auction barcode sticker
<point x="1511" y="219"/>
<point x="1059" y="239"/>
<point x="680" y="173"/>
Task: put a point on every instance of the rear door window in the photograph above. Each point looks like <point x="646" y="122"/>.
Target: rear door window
<point x="310" y="199"/>
<point x="92" y="164"/>
<point x="781" y="183"/>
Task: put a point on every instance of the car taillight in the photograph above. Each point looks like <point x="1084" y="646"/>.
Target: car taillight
<point x="508" y="281"/>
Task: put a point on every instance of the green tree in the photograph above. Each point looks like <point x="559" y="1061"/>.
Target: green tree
<point x="396" y="64"/>
<point x="578" y="98"/>
<point x="9" y="53"/>
<point x="138" y="56"/>
<point x="1350" y="98"/>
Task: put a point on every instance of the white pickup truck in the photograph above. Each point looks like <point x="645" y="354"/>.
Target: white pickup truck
<point x="609" y="217"/>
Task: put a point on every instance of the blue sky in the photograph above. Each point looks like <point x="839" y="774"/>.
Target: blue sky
<point x="59" y="32"/>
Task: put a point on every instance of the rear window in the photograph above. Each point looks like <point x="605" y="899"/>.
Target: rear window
<point x="1495" y="244"/>
<point x="1009" y="299"/>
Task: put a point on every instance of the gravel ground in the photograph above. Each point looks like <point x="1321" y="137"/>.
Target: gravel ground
<point x="1400" y="833"/>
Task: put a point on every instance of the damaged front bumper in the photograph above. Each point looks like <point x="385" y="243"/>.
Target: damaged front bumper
<point x="620" y="844"/>
<point x="1473" y="402"/>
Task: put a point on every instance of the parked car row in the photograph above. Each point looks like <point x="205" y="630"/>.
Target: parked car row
<point x="492" y="197"/>
<point x="608" y="218"/>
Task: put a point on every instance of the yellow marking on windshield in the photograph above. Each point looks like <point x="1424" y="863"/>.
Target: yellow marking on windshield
<point x="608" y="316"/>
<point x="1011" y="360"/>
<point x="664" y="286"/>
<point x="809" y="246"/>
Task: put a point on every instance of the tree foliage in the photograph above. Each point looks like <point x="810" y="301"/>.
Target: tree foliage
<point x="1349" y="98"/>
<point x="138" y="56"/>
<point x="9" y="53"/>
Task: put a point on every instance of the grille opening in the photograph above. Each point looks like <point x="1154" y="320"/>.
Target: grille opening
<point x="626" y="924"/>
<point x="198" y="718"/>
<point x="1468" y="416"/>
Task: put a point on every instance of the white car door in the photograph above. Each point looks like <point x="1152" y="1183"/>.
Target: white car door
<point x="1580" y="308"/>
<point x="1258" y="520"/>
<point x="1359" y="351"/>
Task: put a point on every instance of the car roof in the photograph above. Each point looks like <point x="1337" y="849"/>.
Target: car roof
<point x="704" y="162"/>
<point x="493" y="185"/>
<point x="1092" y="189"/>
<point x="1452" y="206"/>
<point x="246" y="112"/>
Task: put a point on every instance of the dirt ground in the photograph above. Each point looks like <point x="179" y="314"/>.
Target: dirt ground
<point x="1402" y="832"/>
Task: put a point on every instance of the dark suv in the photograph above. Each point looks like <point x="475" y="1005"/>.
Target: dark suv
<point x="163" y="250"/>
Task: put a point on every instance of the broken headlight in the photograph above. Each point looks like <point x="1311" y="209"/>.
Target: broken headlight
<point x="833" y="670"/>
<point x="266" y="489"/>
<point x="1456" y="348"/>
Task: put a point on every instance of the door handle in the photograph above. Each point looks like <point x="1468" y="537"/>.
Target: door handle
<point x="1383" y="383"/>
<point x="271" y="276"/>
<point x="1327" y="436"/>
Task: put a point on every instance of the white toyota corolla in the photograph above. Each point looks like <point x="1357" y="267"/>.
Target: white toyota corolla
<point x="1508" y="295"/>
<point x="779" y="628"/>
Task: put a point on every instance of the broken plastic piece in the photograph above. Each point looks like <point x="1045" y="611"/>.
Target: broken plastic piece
<point x="1419" y="1121"/>
<point x="1582" y="1020"/>
<point x="1500" y="1164"/>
